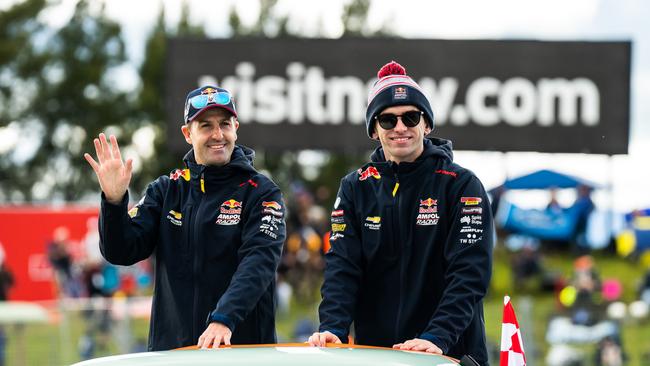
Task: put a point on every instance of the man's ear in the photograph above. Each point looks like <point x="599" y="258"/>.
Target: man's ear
<point x="427" y="130"/>
<point x="185" y="129"/>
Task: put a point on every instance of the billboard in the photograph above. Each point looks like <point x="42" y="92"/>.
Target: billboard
<point x="486" y="95"/>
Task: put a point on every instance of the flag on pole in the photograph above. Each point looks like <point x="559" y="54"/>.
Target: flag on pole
<point x="512" y="346"/>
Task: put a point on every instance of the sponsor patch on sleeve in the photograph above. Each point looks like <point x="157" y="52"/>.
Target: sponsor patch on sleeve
<point x="272" y="208"/>
<point x="133" y="212"/>
<point x="338" y="227"/>
<point x="470" y="201"/>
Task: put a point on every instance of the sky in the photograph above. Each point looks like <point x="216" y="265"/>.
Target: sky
<point x="598" y="20"/>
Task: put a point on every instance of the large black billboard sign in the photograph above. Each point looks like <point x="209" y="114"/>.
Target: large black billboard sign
<point x="486" y="95"/>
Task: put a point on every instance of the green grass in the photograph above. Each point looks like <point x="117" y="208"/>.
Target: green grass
<point x="56" y="344"/>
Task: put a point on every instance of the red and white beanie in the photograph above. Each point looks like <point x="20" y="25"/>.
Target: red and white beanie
<point x="392" y="88"/>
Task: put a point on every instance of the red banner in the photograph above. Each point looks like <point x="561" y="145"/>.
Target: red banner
<point x="26" y="231"/>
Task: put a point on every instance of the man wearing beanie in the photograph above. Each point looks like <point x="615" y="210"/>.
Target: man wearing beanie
<point x="216" y="229"/>
<point x="412" y="236"/>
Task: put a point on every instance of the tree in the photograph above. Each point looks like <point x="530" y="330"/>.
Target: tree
<point x="17" y="24"/>
<point x="72" y="97"/>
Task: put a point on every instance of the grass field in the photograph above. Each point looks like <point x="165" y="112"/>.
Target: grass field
<point x="57" y="344"/>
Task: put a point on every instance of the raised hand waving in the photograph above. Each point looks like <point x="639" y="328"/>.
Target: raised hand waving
<point x="113" y="174"/>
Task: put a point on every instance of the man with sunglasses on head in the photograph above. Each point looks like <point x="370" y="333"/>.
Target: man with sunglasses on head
<point x="216" y="228"/>
<point x="412" y="235"/>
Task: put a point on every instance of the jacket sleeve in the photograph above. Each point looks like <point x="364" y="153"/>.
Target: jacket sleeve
<point x="263" y="236"/>
<point x="129" y="237"/>
<point x="343" y="271"/>
<point x="468" y="254"/>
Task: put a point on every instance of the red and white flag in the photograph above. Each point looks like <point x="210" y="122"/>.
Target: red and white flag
<point x="512" y="346"/>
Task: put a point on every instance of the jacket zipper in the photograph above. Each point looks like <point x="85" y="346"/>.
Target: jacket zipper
<point x="396" y="236"/>
<point x="195" y="249"/>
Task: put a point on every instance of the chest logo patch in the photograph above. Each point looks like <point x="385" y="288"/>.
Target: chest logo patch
<point x="175" y="217"/>
<point x="427" y="212"/>
<point x="373" y="222"/>
<point x="229" y="212"/>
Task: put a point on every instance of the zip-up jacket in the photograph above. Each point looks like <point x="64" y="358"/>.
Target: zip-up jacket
<point x="217" y="235"/>
<point x="411" y="254"/>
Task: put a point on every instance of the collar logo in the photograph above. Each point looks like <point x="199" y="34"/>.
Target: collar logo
<point x="185" y="174"/>
<point x="371" y="171"/>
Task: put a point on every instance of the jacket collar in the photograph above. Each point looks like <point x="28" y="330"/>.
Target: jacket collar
<point x="204" y="176"/>
<point x="434" y="148"/>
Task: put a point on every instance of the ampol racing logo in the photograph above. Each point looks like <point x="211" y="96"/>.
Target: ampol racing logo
<point x="428" y="212"/>
<point x="229" y="212"/>
<point x="371" y="171"/>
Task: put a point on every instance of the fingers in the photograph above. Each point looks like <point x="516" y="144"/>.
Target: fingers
<point x="129" y="166"/>
<point x="99" y="151"/>
<point x="217" y="341"/>
<point x="322" y="339"/>
<point x="115" y="149"/>
<point x="318" y="339"/>
<point x="420" y="347"/>
<point x="312" y="340"/>
<point x="92" y="162"/>
<point x="203" y="341"/>
<point x="226" y="339"/>
<point x="106" y="151"/>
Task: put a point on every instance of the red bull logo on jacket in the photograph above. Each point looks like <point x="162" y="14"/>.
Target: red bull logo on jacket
<point x="371" y="171"/>
<point x="428" y="202"/>
<point x="231" y="207"/>
<point x="231" y="203"/>
<point x="428" y="206"/>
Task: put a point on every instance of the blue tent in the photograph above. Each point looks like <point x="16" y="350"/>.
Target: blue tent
<point x="546" y="179"/>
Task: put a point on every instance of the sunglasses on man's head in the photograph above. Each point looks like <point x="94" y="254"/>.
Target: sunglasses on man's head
<point x="388" y="121"/>
<point x="202" y="100"/>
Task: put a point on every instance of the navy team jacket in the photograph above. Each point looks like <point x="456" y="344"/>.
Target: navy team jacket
<point x="217" y="235"/>
<point x="411" y="254"/>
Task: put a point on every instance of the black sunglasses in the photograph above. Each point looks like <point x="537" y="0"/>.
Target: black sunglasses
<point x="388" y="121"/>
